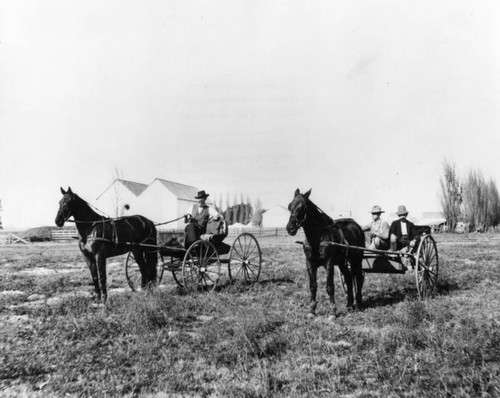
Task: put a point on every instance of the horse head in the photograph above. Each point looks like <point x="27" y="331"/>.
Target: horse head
<point x="66" y="207"/>
<point x="298" y="211"/>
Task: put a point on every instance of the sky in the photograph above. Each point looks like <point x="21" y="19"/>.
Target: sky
<point x="360" y="101"/>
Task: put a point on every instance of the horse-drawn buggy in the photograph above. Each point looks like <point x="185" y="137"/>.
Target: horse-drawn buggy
<point x="199" y="267"/>
<point x="422" y="261"/>
<point x="150" y="254"/>
<point x="341" y="243"/>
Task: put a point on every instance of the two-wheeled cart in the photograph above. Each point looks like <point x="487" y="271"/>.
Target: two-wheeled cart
<point x="423" y="262"/>
<point x="199" y="267"/>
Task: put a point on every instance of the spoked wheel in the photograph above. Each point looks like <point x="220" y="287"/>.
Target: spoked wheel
<point x="133" y="272"/>
<point x="174" y="265"/>
<point x="426" y="267"/>
<point x="245" y="259"/>
<point x="201" y="267"/>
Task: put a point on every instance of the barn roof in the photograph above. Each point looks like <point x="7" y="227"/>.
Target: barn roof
<point x="135" y="187"/>
<point x="181" y="191"/>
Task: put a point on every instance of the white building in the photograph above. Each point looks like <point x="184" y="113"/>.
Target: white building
<point x="120" y="197"/>
<point x="275" y="217"/>
<point x="164" y="201"/>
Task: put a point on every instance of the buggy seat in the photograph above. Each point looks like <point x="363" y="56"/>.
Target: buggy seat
<point x="217" y="231"/>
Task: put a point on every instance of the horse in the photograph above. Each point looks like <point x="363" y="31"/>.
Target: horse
<point x="320" y="230"/>
<point x="102" y="237"/>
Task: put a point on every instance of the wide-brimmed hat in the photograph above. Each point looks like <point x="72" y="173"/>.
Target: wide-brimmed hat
<point x="402" y="210"/>
<point x="377" y="209"/>
<point x="202" y="195"/>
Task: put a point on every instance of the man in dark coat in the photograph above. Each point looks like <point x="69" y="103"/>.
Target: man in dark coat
<point x="402" y="232"/>
<point x="198" y="219"/>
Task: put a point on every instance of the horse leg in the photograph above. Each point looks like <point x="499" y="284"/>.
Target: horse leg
<point x="330" y="287"/>
<point x="348" y="281"/>
<point x="139" y="258"/>
<point x="358" y="274"/>
<point x="312" y="270"/>
<point x="151" y="263"/>
<point x="101" y="268"/>
<point x="91" y="263"/>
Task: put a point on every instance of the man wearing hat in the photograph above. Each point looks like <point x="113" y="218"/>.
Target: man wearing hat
<point x="379" y="230"/>
<point x="198" y="218"/>
<point x="402" y="231"/>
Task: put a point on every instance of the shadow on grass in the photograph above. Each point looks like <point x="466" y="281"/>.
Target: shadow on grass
<point x="392" y="297"/>
<point x="387" y="298"/>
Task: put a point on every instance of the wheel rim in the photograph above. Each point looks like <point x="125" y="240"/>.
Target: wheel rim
<point x="426" y="269"/>
<point x="175" y="266"/>
<point x="245" y="259"/>
<point x="133" y="272"/>
<point x="159" y="268"/>
<point x="201" y="267"/>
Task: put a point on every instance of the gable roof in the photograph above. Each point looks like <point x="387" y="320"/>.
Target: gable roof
<point x="135" y="187"/>
<point x="181" y="191"/>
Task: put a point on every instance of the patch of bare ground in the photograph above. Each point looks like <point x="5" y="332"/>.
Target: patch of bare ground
<point x="252" y="340"/>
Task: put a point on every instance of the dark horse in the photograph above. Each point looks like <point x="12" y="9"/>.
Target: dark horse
<point x="101" y="237"/>
<point x="320" y="229"/>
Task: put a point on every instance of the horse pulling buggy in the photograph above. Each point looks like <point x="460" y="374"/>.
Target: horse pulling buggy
<point x="341" y="243"/>
<point x="199" y="267"/>
<point x="194" y="268"/>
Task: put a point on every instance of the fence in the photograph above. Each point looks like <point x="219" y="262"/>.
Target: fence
<point x="69" y="234"/>
<point x="63" y="234"/>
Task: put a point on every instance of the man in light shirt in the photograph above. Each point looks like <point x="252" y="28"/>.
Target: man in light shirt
<point x="402" y="232"/>
<point x="379" y="230"/>
<point x="198" y="218"/>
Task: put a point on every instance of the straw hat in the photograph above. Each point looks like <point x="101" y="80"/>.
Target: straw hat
<point x="402" y="210"/>
<point x="377" y="209"/>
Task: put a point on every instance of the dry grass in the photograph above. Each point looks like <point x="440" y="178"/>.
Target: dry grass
<point x="252" y="340"/>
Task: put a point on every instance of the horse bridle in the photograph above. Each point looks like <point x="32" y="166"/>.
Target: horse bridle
<point x="299" y="224"/>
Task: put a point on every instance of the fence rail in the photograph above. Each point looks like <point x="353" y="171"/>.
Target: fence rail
<point x="69" y="234"/>
<point x="63" y="234"/>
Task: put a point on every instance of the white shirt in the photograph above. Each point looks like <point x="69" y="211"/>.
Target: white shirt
<point x="404" y="229"/>
<point x="211" y="211"/>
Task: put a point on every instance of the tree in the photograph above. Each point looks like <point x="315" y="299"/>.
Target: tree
<point x="475" y="200"/>
<point x="493" y="212"/>
<point x="451" y="195"/>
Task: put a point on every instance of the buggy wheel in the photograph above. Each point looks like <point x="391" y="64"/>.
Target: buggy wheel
<point x="174" y="265"/>
<point x="426" y="267"/>
<point x="245" y="259"/>
<point x="133" y="272"/>
<point x="201" y="267"/>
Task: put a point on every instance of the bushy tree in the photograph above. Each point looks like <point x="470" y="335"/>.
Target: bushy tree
<point x="493" y="212"/>
<point x="451" y="194"/>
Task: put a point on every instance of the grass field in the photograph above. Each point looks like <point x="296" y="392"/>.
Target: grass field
<point x="249" y="341"/>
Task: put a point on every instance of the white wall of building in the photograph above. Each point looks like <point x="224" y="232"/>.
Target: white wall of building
<point x="112" y="201"/>
<point x="276" y="217"/>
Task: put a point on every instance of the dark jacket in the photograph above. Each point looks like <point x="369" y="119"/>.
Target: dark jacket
<point x="396" y="229"/>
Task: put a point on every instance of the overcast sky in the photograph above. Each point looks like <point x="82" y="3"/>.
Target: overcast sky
<point x="359" y="100"/>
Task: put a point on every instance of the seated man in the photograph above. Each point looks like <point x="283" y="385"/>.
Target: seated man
<point x="402" y="232"/>
<point x="198" y="219"/>
<point x="379" y="230"/>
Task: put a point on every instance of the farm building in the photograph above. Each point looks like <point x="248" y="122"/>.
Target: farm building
<point x="119" y="196"/>
<point x="436" y="220"/>
<point x="166" y="200"/>
<point x="160" y="201"/>
<point x="275" y="217"/>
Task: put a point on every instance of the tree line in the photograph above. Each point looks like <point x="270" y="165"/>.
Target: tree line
<point x="239" y="209"/>
<point x="471" y="199"/>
